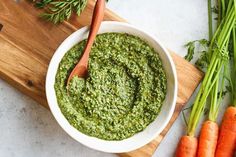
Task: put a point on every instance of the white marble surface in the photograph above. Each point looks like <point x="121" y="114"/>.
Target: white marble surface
<point x="28" y="129"/>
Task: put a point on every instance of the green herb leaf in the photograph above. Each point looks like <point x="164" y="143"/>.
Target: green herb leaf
<point x="42" y="3"/>
<point x="203" y="61"/>
<point x="58" y="11"/>
<point x="190" y="52"/>
<point x="215" y="9"/>
<point x="191" y="47"/>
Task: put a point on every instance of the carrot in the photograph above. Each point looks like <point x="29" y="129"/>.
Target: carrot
<point x="227" y="137"/>
<point x="187" y="147"/>
<point x="208" y="139"/>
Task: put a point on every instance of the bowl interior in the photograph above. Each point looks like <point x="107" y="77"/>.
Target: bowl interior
<point x="139" y="139"/>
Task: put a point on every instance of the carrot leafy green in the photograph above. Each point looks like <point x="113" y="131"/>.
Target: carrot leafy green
<point x="215" y="59"/>
<point x="58" y="11"/>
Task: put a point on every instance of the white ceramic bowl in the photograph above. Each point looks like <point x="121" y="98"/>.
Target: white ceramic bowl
<point x="139" y="139"/>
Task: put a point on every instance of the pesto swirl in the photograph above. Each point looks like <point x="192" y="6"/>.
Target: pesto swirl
<point x="123" y="92"/>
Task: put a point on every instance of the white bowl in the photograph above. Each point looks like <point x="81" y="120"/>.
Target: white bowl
<point x="139" y="139"/>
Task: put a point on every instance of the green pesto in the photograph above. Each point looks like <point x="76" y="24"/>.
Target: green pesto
<point x="123" y="93"/>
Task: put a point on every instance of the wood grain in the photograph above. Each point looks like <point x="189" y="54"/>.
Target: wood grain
<point x="28" y="43"/>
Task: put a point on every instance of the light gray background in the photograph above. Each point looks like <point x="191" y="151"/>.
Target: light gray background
<point x="27" y="129"/>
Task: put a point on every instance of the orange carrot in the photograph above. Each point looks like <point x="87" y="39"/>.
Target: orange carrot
<point x="227" y="137"/>
<point x="187" y="147"/>
<point x="235" y="146"/>
<point x="208" y="139"/>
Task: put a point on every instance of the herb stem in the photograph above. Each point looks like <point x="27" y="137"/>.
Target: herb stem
<point x="219" y="13"/>
<point x="234" y="66"/>
<point x="223" y="9"/>
<point x="210" y="20"/>
<point x="213" y="104"/>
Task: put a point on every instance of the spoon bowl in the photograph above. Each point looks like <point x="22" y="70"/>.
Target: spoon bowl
<point x="81" y="69"/>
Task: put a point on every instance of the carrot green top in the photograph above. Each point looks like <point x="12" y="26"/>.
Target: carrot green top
<point x="218" y="60"/>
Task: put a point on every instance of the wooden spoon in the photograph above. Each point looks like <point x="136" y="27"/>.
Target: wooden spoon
<point x="81" y="69"/>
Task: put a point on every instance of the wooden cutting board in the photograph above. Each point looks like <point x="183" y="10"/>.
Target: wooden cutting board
<point x="27" y="44"/>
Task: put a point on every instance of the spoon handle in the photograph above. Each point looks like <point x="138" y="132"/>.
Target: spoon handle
<point x="98" y="15"/>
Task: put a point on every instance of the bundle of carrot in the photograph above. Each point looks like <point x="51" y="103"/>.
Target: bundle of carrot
<point x="212" y="88"/>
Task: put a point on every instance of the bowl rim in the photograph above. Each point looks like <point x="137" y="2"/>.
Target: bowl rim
<point x="70" y="130"/>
